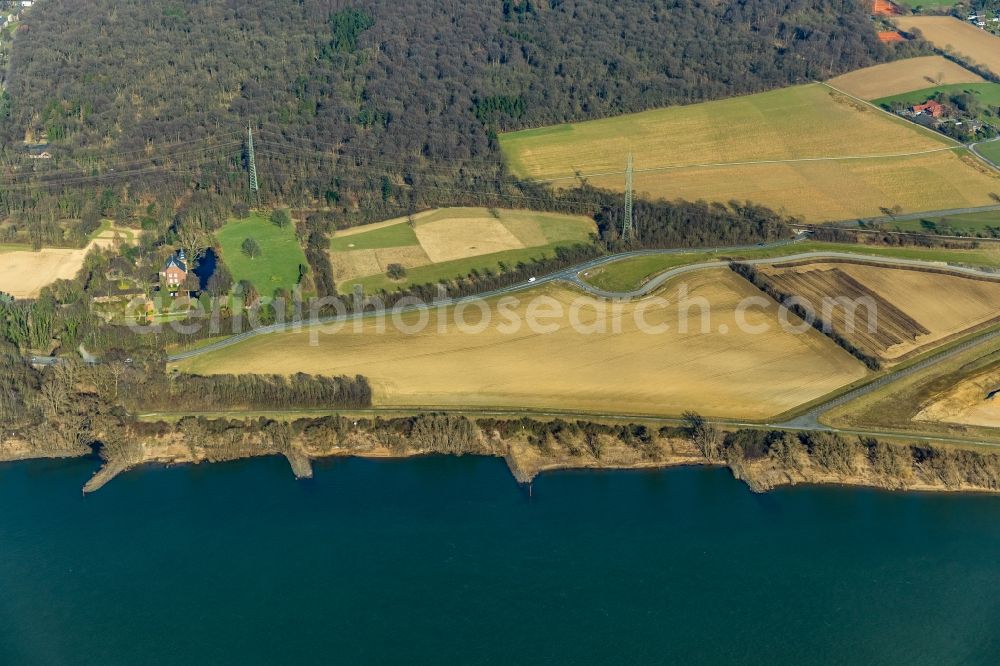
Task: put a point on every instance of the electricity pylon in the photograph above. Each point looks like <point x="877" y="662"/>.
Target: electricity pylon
<point x="628" y="228"/>
<point x="252" y="165"/>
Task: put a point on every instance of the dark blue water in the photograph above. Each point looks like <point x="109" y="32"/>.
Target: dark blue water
<point x="204" y="268"/>
<point x="445" y="560"/>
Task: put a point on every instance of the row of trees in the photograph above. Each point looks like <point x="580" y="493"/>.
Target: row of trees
<point x="759" y="456"/>
<point x="808" y="315"/>
<point x="234" y="392"/>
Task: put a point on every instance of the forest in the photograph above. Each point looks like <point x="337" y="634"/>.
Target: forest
<point x="369" y="109"/>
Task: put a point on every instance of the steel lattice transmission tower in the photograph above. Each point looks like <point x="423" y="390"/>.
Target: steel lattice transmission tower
<point x="628" y="228"/>
<point x="252" y="164"/>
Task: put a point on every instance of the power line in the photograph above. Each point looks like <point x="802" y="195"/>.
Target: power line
<point x="627" y="227"/>
<point x="254" y="188"/>
<point x="81" y="173"/>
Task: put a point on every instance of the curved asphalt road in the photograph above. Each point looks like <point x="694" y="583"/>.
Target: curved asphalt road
<point x="571" y="275"/>
<point x="806" y="421"/>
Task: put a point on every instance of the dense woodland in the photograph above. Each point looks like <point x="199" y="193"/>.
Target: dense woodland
<point x="372" y="108"/>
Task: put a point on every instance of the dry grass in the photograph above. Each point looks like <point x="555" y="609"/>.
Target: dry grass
<point x="353" y="263"/>
<point x="448" y="237"/>
<point x="460" y="237"/>
<point x="365" y="228"/>
<point x="915" y="309"/>
<point x="730" y="374"/>
<point x="967" y="403"/>
<point x="799" y="122"/>
<point x="745" y="149"/>
<point x="407" y="257"/>
<point x="903" y="76"/>
<point x="828" y="191"/>
<point x="369" y="262"/>
<point x="898" y="405"/>
<point x="950" y="34"/>
<point x="23" y="273"/>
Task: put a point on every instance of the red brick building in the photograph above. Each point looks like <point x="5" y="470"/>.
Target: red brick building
<point x="174" y="272"/>
<point x="931" y="108"/>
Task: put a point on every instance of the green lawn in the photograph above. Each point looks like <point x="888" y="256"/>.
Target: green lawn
<point x="930" y="4"/>
<point x="972" y="224"/>
<point x="991" y="151"/>
<point x="276" y="267"/>
<point x="629" y="274"/>
<point x="988" y="94"/>
<point x="395" y="235"/>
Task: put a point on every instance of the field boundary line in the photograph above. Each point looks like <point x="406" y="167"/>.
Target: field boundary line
<point x="894" y="116"/>
<point x="709" y="165"/>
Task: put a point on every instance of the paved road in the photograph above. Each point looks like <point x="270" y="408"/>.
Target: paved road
<point x="658" y="281"/>
<point x="806" y="421"/>
<point x="570" y="274"/>
<point x="950" y="212"/>
<point x="810" y="419"/>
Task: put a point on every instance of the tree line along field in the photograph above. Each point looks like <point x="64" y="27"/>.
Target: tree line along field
<point x="441" y="244"/>
<point x="25" y="272"/>
<point x="912" y="310"/>
<point x="903" y="76"/>
<point x="277" y="264"/>
<point x="960" y="37"/>
<point x="986" y="93"/>
<point x="807" y="150"/>
<point x="971" y="224"/>
<point x="726" y="374"/>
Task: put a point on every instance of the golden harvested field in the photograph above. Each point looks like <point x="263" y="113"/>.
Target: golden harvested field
<point x="968" y="403"/>
<point x="914" y="309"/>
<point x="459" y="237"/>
<point x="805" y="150"/>
<point x="950" y="34"/>
<point x="732" y="373"/>
<point x="23" y="273"/>
<point x="903" y="76"/>
<point x="831" y="190"/>
<point x="454" y="240"/>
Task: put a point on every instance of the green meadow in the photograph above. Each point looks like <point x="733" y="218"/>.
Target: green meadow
<point x="276" y="267"/>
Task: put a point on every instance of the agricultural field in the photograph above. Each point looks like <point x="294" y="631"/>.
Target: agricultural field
<point x="987" y="94"/>
<point x="991" y="151"/>
<point x="950" y="34"/>
<point x="723" y="372"/>
<point x="443" y="244"/>
<point x="631" y="273"/>
<point x="111" y="235"/>
<point x="931" y="4"/>
<point x="985" y="224"/>
<point x="948" y="399"/>
<point x="901" y="311"/>
<point x="807" y="151"/>
<point x="903" y="76"/>
<point x="974" y="401"/>
<point x="23" y="272"/>
<point x="277" y="266"/>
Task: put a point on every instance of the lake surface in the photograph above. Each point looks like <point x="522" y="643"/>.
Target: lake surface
<point x="446" y="560"/>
